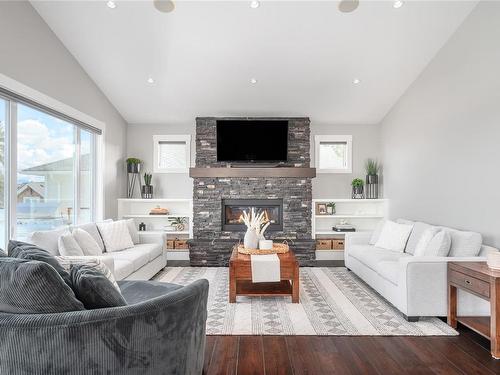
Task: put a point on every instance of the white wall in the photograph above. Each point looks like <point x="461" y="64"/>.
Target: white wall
<point x="441" y="140"/>
<point x="31" y="54"/>
<point x="366" y="143"/>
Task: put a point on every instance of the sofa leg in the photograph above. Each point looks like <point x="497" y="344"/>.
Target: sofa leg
<point x="411" y="318"/>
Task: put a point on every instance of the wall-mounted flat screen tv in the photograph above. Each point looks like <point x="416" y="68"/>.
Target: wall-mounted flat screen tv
<point x="252" y="141"/>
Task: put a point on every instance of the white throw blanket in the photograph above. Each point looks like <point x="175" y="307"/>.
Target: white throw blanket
<point x="265" y="268"/>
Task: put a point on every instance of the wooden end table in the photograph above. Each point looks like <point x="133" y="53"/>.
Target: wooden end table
<point x="476" y="278"/>
<point x="240" y="278"/>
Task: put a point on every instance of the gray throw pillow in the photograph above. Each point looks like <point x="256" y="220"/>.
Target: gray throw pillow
<point x="93" y="289"/>
<point x="22" y="250"/>
<point x="2" y="253"/>
<point x="33" y="287"/>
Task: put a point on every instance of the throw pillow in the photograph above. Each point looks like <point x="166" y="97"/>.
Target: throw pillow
<point x="134" y="234"/>
<point x="94" y="289"/>
<point x="68" y="246"/>
<point x="86" y="242"/>
<point x="48" y="240"/>
<point x="33" y="287"/>
<point x="376" y="232"/>
<point x="439" y="245"/>
<point x="115" y="235"/>
<point x="394" y="236"/>
<point x="465" y="244"/>
<point x="96" y="263"/>
<point x="22" y="250"/>
<point x="424" y="240"/>
<point x="91" y="228"/>
<point x="2" y="253"/>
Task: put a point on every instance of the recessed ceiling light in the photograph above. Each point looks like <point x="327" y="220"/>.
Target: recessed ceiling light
<point x="111" y="4"/>
<point x="254" y="4"/>
<point x="397" y="4"/>
<point x="356" y="81"/>
<point x="253" y="81"/>
<point x="164" y="6"/>
<point x="151" y="80"/>
<point x="348" y="6"/>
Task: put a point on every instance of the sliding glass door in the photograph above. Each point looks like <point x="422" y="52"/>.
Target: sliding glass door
<point x="3" y="179"/>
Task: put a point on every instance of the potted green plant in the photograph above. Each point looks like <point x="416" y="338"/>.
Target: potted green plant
<point x="330" y="208"/>
<point x="357" y="188"/>
<point x="372" y="168"/>
<point x="179" y="223"/>
<point x="147" y="188"/>
<point x="134" y="165"/>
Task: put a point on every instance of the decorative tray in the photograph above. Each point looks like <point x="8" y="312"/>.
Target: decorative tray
<point x="278" y="248"/>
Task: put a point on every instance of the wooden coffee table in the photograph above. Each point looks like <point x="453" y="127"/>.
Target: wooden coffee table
<point x="240" y="278"/>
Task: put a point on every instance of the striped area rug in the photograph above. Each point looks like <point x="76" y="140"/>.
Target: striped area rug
<point x="333" y="301"/>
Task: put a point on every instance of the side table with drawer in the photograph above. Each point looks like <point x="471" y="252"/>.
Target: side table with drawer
<point x="476" y="278"/>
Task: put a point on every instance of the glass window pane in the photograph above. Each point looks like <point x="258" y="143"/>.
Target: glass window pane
<point x="86" y="176"/>
<point x="3" y="199"/>
<point x="333" y="155"/>
<point x="172" y="155"/>
<point x="45" y="162"/>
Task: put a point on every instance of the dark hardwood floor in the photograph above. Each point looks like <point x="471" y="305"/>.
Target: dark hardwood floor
<point x="467" y="353"/>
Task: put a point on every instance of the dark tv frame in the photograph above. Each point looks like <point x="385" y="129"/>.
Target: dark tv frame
<point x="253" y="120"/>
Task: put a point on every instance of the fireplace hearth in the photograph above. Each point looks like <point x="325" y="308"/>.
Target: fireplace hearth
<point x="232" y="209"/>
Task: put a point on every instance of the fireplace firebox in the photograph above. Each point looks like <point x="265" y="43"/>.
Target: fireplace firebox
<point x="232" y="209"/>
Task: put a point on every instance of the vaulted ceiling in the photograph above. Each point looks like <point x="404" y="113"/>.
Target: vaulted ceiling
<point x="304" y="55"/>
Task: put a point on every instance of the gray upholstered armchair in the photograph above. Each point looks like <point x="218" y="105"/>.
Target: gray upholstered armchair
<point x="160" y="331"/>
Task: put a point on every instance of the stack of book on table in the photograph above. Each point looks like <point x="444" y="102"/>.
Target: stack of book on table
<point x="344" y="228"/>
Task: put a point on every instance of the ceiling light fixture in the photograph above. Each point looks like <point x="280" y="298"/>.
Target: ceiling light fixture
<point x="397" y="4"/>
<point x="348" y="6"/>
<point x="356" y="81"/>
<point x="111" y="4"/>
<point x="254" y="4"/>
<point x="253" y="81"/>
<point x="151" y="80"/>
<point x="164" y="6"/>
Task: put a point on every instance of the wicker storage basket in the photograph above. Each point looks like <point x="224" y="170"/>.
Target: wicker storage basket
<point x="278" y="248"/>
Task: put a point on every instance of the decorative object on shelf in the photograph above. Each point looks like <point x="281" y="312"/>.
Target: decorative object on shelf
<point x="133" y="176"/>
<point x="158" y="211"/>
<point x="321" y="209"/>
<point x="179" y="223"/>
<point x="147" y="188"/>
<point x="142" y="227"/>
<point x="180" y="244"/>
<point x="343" y="226"/>
<point x="278" y="248"/>
<point x="324" y="244"/>
<point x="372" y="168"/>
<point x="357" y="188"/>
<point x="493" y="260"/>
<point x="330" y="208"/>
<point x="256" y="226"/>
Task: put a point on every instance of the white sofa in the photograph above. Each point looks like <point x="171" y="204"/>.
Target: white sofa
<point x="141" y="262"/>
<point x="416" y="285"/>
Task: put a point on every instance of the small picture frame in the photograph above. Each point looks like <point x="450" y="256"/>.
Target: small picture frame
<point x="321" y="209"/>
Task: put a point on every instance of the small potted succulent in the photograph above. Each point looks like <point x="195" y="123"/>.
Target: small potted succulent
<point x="147" y="188"/>
<point x="330" y="208"/>
<point x="357" y="188"/>
<point x="134" y="165"/>
<point x="179" y="223"/>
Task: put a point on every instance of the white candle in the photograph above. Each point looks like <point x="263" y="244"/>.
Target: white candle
<point x="265" y="244"/>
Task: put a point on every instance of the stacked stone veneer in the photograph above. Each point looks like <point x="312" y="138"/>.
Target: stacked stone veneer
<point x="211" y="246"/>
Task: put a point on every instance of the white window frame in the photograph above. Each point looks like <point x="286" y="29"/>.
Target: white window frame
<point x="157" y="139"/>
<point x="318" y="139"/>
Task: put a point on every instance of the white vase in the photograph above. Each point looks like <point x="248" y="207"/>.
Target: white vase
<point x="251" y="241"/>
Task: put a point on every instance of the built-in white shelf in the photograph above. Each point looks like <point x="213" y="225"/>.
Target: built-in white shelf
<point x="329" y="255"/>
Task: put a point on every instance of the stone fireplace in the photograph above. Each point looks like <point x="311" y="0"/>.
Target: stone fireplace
<point x="219" y="201"/>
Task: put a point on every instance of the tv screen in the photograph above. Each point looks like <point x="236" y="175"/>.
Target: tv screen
<point x="258" y="141"/>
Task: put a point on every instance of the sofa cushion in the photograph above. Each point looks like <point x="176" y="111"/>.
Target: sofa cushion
<point x="86" y="242"/>
<point x="48" y="239"/>
<point x="389" y="270"/>
<point x="439" y="245"/>
<point x="418" y="230"/>
<point x="123" y="268"/>
<point x="464" y="244"/>
<point x="115" y="235"/>
<point x="424" y="241"/>
<point x="153" y="250"/>
<point x="91" y="228"/>
<point x="34" y="287"/>
<point x="22" y="250"/>
<point x="136" y="257"/>
<point x="376" y="232"/>
<point x="371" y="255"/>
<point x="97" y="263"/>
<point x="138" y="291"/>
<point x="394" y="236"/>
<point x="93" y="289"/>
<point x="134" y="234"/>
<point x="68" y="246"/>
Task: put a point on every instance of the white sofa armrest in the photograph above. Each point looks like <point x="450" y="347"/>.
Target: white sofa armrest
<point x="423" y="283"/>
<point x="158" y="238"/>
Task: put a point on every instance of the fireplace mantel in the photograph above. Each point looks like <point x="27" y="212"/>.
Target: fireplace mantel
<point x="290" y="172"/>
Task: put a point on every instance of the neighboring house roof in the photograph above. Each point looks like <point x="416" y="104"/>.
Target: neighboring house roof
<point x="63" y="165"/>
<point x="37" y="187"/>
